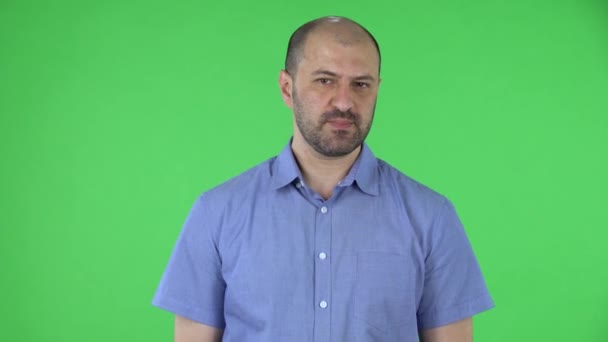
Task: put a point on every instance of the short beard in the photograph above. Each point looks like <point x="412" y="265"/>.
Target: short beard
<point x="337" y="143"/>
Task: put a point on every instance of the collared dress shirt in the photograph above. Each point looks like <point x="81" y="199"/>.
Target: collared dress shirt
<point x="265" y="258"/>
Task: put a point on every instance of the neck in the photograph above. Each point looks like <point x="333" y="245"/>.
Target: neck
<point x="322" y="173"/>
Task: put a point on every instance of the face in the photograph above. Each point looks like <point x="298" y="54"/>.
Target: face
<point x="333" y="94"/>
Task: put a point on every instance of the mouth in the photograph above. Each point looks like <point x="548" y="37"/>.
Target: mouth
<point x="340" y="124"/>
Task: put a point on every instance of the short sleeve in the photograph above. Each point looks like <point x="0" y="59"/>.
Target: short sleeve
<point x="454" y="288"/>
<point x="192" y="285"/>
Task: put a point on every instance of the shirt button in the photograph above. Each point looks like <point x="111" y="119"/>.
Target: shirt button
<point x="298" y="185"/>
<point x="323" y="210"/>
<point x="323" y="304"/>
<point x="322" y="256"/>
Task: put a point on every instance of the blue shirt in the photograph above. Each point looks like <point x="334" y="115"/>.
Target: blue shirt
<point x="267" y="259"/>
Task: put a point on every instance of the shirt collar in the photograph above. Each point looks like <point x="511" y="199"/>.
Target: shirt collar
<point x="364" y="171"/>
<point x="285" y="168"/>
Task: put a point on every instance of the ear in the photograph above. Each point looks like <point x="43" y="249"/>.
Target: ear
<point x="286" y="86"/>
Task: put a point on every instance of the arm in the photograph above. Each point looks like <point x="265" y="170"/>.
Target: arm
<point x="190" y="331"/>
<point x="461" y="331"/>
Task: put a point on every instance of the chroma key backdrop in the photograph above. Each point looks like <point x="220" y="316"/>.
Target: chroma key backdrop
<point x="116" y="115"/>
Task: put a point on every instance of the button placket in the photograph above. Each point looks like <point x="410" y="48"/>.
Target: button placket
<point x="322" y="293"/>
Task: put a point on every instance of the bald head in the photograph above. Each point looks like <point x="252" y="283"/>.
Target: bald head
<point x="339" y="29"/>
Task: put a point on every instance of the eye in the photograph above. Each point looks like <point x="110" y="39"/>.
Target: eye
<point x="323" y="80"/>
<point x="361" y="84"/>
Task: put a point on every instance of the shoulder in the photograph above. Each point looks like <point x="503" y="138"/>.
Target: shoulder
<point x="423" y="207"/>
<point x="226" y="208"/>
<point x="410" y="191"/>
<point x="431" y="215"/>
<point x="238" y="188"/>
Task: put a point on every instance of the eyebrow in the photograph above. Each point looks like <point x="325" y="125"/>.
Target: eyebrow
<point x="333" y="74"/>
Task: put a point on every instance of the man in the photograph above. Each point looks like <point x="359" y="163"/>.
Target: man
<point x="324" y="242"/>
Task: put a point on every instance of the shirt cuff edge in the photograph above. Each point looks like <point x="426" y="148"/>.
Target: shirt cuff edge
<point x="455" y="313"/>
<point x="206" y="317"/>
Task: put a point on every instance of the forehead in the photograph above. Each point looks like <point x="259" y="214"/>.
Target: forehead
<point x="342" y="49"/>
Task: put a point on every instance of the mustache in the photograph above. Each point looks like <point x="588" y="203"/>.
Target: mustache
<point x="338" y="114"/>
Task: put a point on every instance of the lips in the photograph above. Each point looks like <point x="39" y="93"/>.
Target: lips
<point x="340" y="123"/>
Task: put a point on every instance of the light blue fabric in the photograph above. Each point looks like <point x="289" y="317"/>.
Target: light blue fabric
<point x="265" y="258"/>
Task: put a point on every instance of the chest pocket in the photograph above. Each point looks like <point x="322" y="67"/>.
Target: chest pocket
<point x="384" y="290"/>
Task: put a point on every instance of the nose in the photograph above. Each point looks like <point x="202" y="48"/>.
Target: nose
<point x="343" y="98"/>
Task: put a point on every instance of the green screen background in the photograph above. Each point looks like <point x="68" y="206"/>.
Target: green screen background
<point x="116" y="115"/>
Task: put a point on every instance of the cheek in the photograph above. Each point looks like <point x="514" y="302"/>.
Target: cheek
<point x="313" y="102"/>
<point x="314" y="92"/>
<point x="316" y="95"/>
<point x="370" y="100"/>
